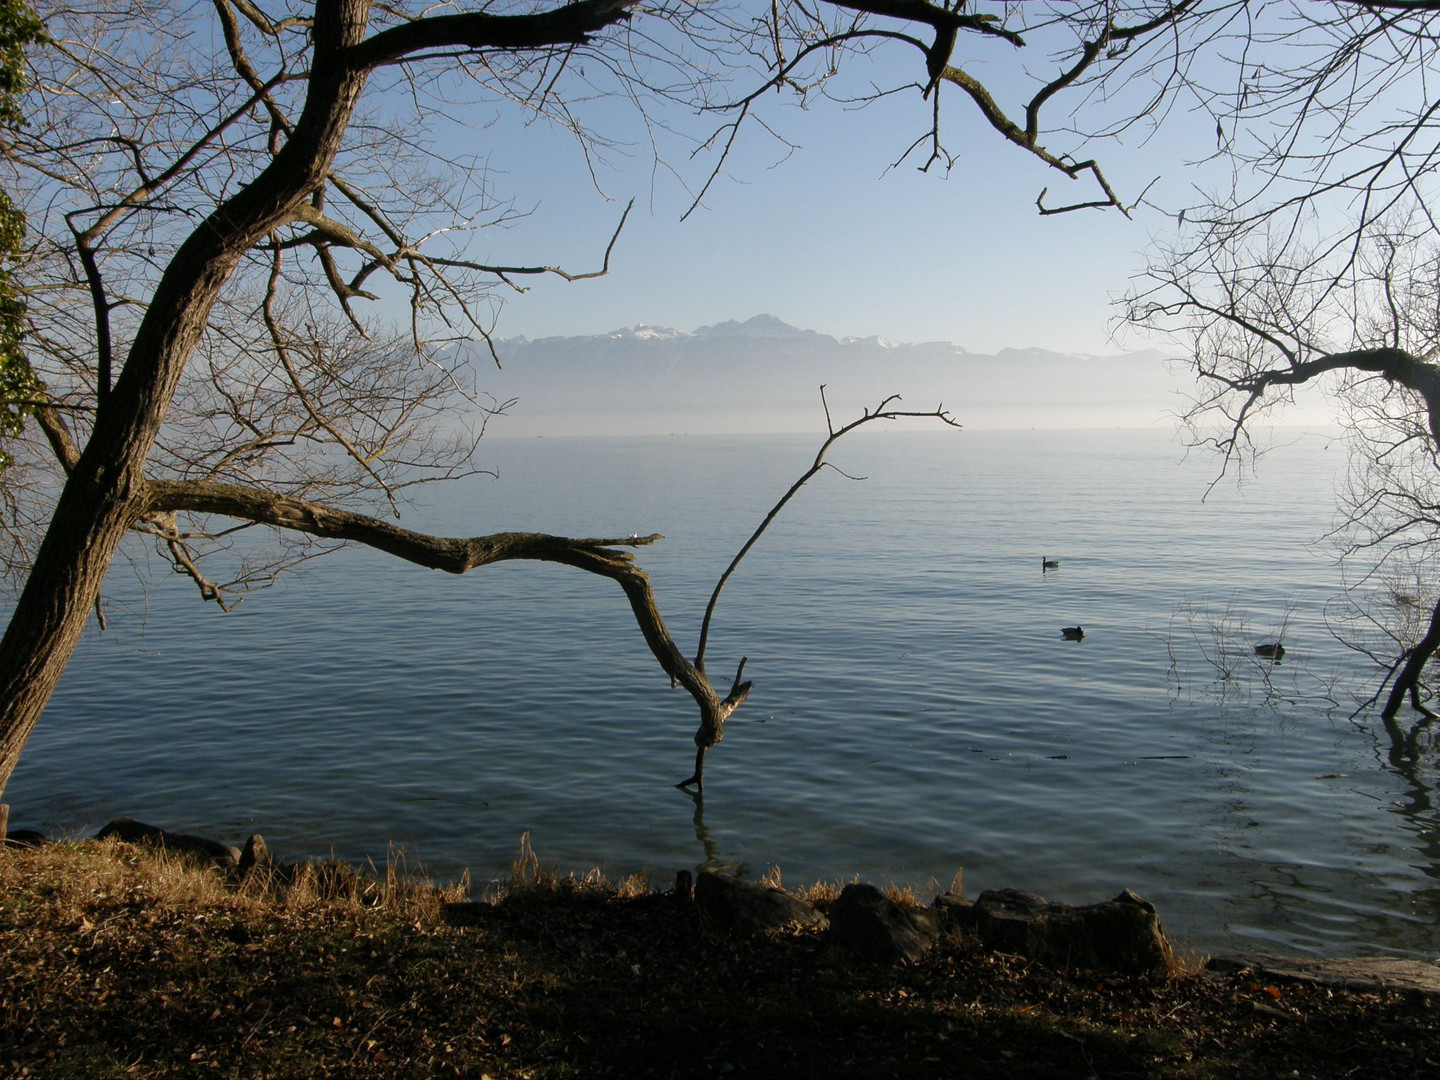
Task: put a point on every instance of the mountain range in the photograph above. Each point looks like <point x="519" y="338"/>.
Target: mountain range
<point x="764" y="375"/>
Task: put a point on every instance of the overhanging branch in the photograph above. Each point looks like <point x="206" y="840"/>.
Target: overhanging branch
<point x="571" y="24"/>
<point x="457" y="555"/>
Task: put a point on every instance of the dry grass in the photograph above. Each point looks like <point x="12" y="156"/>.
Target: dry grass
<point x="822" y="894"/>
<point x="68" y="880"/>
<point x="63" y="883"/>
<point x="118" y="962"/>
<point x="529" y="877"/>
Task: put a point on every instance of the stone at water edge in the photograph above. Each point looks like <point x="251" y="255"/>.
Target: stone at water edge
<point x="137" y="832"/>
<point x="873" y="926"/>
<point x="749" y="907"/>
<point x="1122" y="935"/>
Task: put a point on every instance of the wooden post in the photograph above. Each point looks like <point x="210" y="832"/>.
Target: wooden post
<point x="4" y="821"/>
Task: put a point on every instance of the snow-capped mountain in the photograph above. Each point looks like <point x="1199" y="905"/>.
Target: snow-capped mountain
<point x="762" y="374"/>
<point x="759" y="328"/>
<point x="646" y="333"/>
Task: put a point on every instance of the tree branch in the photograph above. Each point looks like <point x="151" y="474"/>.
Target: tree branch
<point x="882" y="412"/>
<point x="57" y="435"/>
<point x="457" y="555"/>
<point x="569" y="25"/>
<point x="460" y="555"/>
<point x="1027" y="140"/>
<point x="945" y="20"/>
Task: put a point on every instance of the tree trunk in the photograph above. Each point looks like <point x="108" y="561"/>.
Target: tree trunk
<point x="62" y="588"/>
<point x="107" y="490"/>
<point x="1408" y="681"/>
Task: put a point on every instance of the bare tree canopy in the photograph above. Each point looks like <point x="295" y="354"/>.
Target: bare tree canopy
<point x="1315" y="258"/>
<point x="219" y="193"/>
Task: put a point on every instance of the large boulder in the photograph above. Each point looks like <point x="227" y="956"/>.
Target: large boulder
<point x="873" y="926"/>
<point x="137" y="832"/>
<point x="1122" y="935"/>
<point x="748" y="907"/>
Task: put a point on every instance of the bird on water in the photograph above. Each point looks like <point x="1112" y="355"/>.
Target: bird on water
<point x="1073" y="633"/>
<point x="1272" y="651"/>
<point x="1048" y="564"/>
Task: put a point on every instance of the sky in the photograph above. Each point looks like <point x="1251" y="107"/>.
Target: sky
<point x="830" y="238"/>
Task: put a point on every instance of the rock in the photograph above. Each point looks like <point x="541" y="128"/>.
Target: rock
<point x="954" y="912"/>
<point x="749" y="907"/>
<point x="256" y="854"/>
<point x="1122" y="935"/>
<point x="137" y="832"/>
<point x="873" y="926"/>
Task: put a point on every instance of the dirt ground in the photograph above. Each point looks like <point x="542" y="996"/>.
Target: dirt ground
<point x="116" y="962"/>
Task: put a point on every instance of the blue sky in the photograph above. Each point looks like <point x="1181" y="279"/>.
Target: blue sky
<point x="830" y="239"/>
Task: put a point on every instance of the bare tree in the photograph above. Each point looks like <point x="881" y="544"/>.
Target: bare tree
<point x="1317" y="260"/>
<point x="219" y="194"/>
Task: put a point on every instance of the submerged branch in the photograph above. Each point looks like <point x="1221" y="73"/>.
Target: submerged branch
<point x="458" y="555"/>
<point x="882" y="412"/>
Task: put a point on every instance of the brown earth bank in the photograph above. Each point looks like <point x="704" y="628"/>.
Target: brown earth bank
<point x="117" y="960"/>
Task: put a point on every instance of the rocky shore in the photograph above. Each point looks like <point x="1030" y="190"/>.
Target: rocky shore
<point x="122" y="959"/>
<point x="1123" y="935"/>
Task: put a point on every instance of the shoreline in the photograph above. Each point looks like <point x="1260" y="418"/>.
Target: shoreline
<point x="122" y="959"/>
<point x="1379" y="972"/>
<point x="1233" y="949"/>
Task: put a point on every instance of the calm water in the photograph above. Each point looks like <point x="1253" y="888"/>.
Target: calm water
<point x="916" y="710"/>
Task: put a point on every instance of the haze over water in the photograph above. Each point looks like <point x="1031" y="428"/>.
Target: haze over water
<point x="916" y="709"/>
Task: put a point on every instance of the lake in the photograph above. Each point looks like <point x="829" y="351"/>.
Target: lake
<point x="916" y="709"/>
